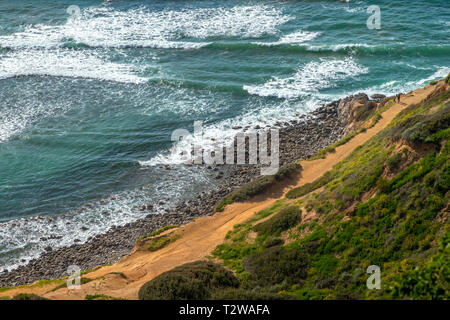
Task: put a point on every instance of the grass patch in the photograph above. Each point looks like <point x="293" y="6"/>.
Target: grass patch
<point x="310" y="187"/>
<point x="277" y="265"/>
<point x="28" y="296"/>
<point x="191" y="281"/>
<point x="161" y="242"/>
<point x="246" y="294"/>
<point x="285" y="219"/>
<point x="64" y="285"/>
<point x="158" y="232"/>
<point x="39" y="283"/>
<point x="101" y="297"/>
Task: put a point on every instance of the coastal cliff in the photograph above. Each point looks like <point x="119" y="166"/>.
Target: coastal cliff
<point x="377" y="197"/>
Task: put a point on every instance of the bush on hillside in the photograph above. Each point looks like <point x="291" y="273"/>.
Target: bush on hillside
<point x="277" y="265"/>
<point x="310" y="186"/>
<point x="419" y="127"/>
<point x="28" y="296"/>
<point x="191" y="281"/>
<point x="242" y="294"/>
<point x="272" y="242"/>
<point x="365" y="111"/>
<point x="430" y="282"/>
<point x="285" y="219"/>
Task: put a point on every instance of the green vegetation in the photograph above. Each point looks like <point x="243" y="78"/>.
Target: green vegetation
<point x="101" y="297"/>
<point x="285" y="219"/>
<point x="191" y="281"/>
<point x="28" y="296"/>
<point x="258" y="186"/>
<point x="276" y="265"/>
<point x="394" y="161"/>
<point x="36" y="284"/>
<point x="332" y="148"/>
<point x="429" y="282"/>
<point x="160" y="242"/>
<point x="363" y="217"/>
<point x="242" y="294"/>
<point x="365" y="113"/>
<point x="158" y="232"/>
<point x="386" y="204"/>
<point x="309" y="187"/>
<point x="64" y="285"/>
<point x="420" y="128"/>
<point x="92" y="269"/>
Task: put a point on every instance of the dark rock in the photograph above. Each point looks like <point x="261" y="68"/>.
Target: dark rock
<point x="377" y="97"/>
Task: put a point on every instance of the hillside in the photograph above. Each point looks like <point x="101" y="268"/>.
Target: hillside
<point x="378" y="197"/>
<point x="386" y="205"/>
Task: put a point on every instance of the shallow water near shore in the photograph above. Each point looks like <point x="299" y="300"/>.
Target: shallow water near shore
<point x="88" y="103"/>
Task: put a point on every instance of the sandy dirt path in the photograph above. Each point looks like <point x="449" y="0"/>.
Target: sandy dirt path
<point x="201" y="236"/>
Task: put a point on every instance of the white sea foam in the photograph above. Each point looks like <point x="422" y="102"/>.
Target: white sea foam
<point x="24" y="239"/>
<point x="42" y="49"/>
<point x="350" y="8"/>
<point x="395" y="86"/>
<point x="19" y="115"/>
<point x="292" y="38"/>
<point x="337" y="47"/>
<point x="222" y="133"/>
<point x="309" y="79"/>
<point x="442" y="72"/>
<point x="106" y="27"/>
<point x="66" y="63"/>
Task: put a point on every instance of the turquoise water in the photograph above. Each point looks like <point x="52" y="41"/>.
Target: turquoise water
<point x="88" y="102"/>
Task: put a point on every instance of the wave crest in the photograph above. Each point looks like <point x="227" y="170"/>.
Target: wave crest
<point x="310" y="78"/>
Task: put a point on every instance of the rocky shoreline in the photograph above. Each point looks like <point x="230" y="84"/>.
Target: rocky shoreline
<point x="301" y="138"/>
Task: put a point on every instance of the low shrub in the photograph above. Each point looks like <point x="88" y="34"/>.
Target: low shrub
<point x="419" y="127"/>
<point x="161" y="242"/>
<point x="100" y="297"/>
<point x="429" y="282"/>
<point x="309" y="187"/>
<point x="394" y="161"/>
<point x="365" y="111"/>
<point x="28" y="296"/>
<point x="191" y="281"/>
<point x="272" y="242"/>
<point x="242" y="294"/>
<point x="158" y="232"/>
<point x="276" y="265"/>
<point x="285" y="219"/>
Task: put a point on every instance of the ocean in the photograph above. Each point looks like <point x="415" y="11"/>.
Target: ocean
<point x="91" y="91"/>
